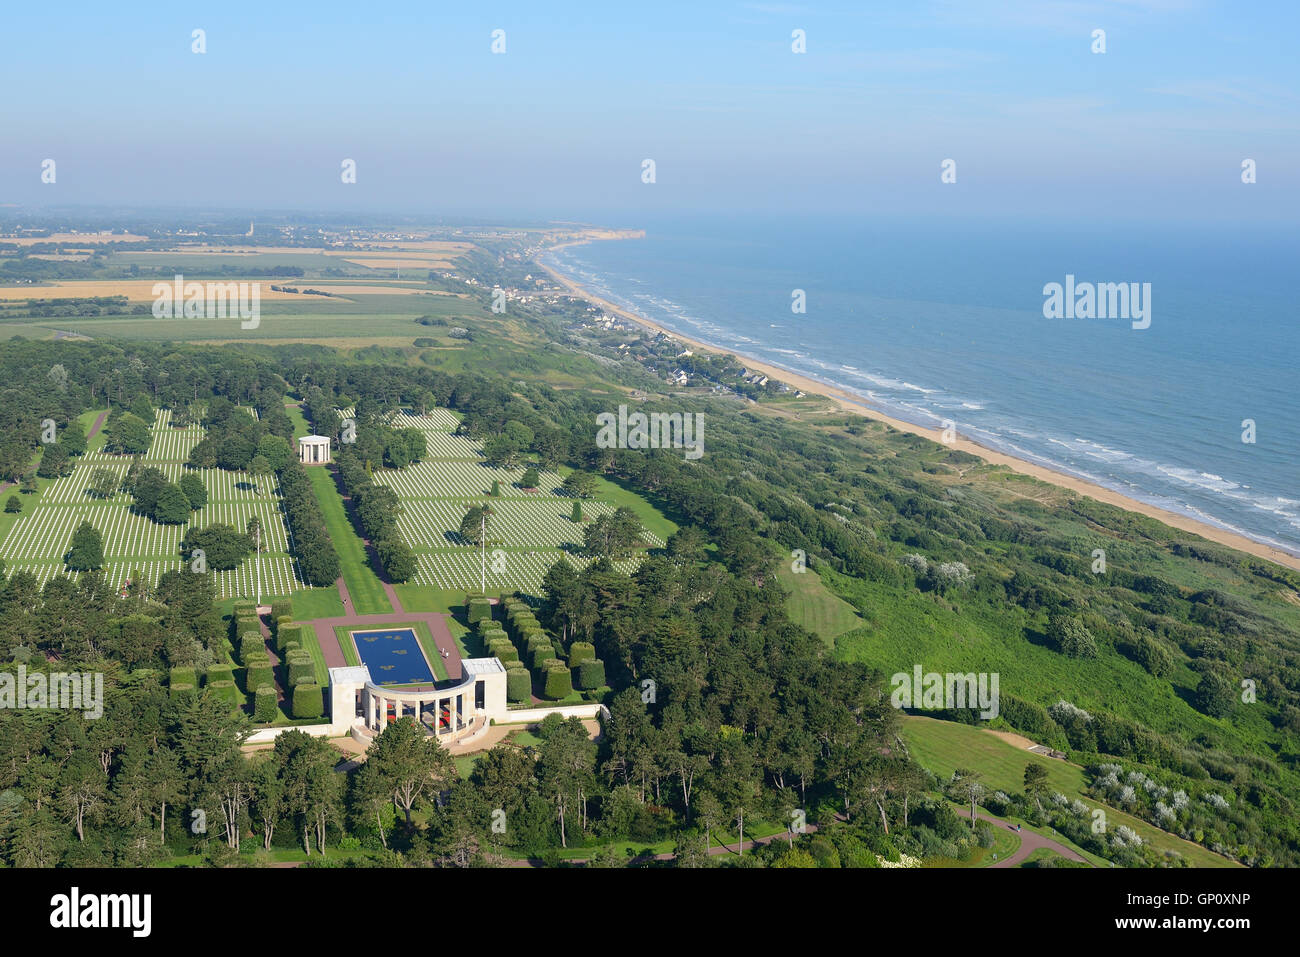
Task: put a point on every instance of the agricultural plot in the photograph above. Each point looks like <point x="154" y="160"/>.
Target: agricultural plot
<point x="135" y="544"/>
<point x="529" y="531"/>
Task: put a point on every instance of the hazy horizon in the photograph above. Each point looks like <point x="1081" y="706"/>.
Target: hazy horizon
<point x="558" y="125"/>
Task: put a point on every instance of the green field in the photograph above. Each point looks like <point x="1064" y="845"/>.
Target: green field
<point x="364" y="586"/>
<point x="814" y="606"/>
<point x="944" y="746"/>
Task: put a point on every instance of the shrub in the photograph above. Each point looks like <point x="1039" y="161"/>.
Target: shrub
<point x="181" y="690"/>
<point x="503" y="650"/>
<point x="289" y="648"/>
<point x="541" y="655"/>
<point x="301" y="672"/>
<point x="479" y="608"/>
<point x="558" y="684"/>
<point x="519" y="685"/>
<point x="590" y="674"/>
<point x="581" y="651"/>
<point x="251" y="643"/>
<point x="287" y="632"/>
<point x="308" y="702"/>
<point x="265" y="704"/>
<point x="258" y="673"/>
<point x="281" y="608"/>
<point x="182" y="676"/>
<point x="245" y="608"/>
<point x="217" y="674"/>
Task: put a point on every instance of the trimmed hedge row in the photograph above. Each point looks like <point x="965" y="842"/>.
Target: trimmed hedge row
<point x="265" y="704"/>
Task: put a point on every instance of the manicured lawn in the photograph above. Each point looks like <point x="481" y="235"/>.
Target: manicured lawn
<point x="944" y="746"/>
<point x="312" y="603"/>
<point x="367" y="591"/>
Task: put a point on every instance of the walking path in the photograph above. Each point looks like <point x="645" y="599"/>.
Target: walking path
<point x="1030" y="841"/>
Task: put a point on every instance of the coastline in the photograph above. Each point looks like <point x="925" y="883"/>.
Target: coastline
<point x="849" y="402"/>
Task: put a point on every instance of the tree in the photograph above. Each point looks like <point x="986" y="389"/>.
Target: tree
<point x="1072" y="639"/>
<point x="194" y="490"/>
<point x="260" y="469"/>
<point x="275" y="451"/>
<point x="224" y="546"/>
<point x="128" y="435"/>
<point x="397" y="559"/>
<point x="575" y="514"/>
<point x="580" y="484"/>
<point x="496" y="488"/>
<point x="612" y="536"/>
<point x="530" y="478"/>
<point x="87" y="549"/>
<point x="103" y="483"/>
<point x="476" y="525"/>
<point x="1036" y="783"/>
<point x="967" y="785"/>
<point x="54" y="462"/>
<point x="172" y="507"/>
<point x="566" y="771"/>
<point x="411" y="764"/>
<point x="13" y="504"/>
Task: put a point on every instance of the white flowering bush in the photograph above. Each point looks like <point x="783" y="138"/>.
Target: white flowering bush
<point x="1165" y="815"/>
<point x="953" y="573"/>
<point x="1216" y="801"/>
<point x="904" y="860"/>
<point x="1127" y="794"/>
<point x="1062" y="712"/>
<point x="1180" y="800"/>
<point x="1124" y="836"/>
<point x="917" y="563"/>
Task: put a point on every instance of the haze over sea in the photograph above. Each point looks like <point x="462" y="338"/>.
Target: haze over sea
<point x="933" y="321"/>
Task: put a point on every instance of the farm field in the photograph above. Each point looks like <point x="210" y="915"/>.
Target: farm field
<point x="37" y="541"/>
<point x="530" y="531"/>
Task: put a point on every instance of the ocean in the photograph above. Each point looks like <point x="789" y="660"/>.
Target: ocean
<point x="945" y="321"/>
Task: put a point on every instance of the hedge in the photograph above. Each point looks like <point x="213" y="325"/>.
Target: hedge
<point x="179" y="689"/>
<point x="250" y="643"/>
<point x="282" y="608"/>
<point x="182" y="676"/>
<point x="258" y="675"/>
<point x="287" y="632"/>
<point x="558" y="684"/>
<point x="245" y="608"/>
<point x="308" y="701"/>
<point x="519" y="685"/>
<point x="216" y="674"/>
<point x="541" y="656"/>
<point x="479" y="608"/>
<point x="265" y="705"/>
<point x="290" y="648"/>
<point x="581" y="651"/>
<point x="505" y="651"/>
<point x="299" y="673"/>
<point x="226" y="691"/>
<point x="589" y="674"/>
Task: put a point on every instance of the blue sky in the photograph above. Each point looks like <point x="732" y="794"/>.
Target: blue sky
<point x="1154" y="129"/>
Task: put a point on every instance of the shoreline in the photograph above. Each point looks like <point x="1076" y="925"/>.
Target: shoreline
<point x="849" y="402"/>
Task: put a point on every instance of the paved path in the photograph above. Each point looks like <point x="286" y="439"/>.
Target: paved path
<point x="436" y="621"/>
<point x="1030" y="841"/>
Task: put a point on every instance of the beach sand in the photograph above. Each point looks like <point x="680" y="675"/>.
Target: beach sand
<point x="852" y="403"/>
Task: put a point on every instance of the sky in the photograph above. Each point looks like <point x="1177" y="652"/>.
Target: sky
<point x="558" y="126"/>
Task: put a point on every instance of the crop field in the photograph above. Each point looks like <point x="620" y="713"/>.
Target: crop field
<point x="134" y="543"/>
<point x="528" y="533"/>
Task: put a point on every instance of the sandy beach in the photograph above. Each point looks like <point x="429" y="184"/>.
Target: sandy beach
<point x="852" y="403"/>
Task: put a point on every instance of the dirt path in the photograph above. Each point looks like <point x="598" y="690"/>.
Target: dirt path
<point x="1030" y="841"/>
